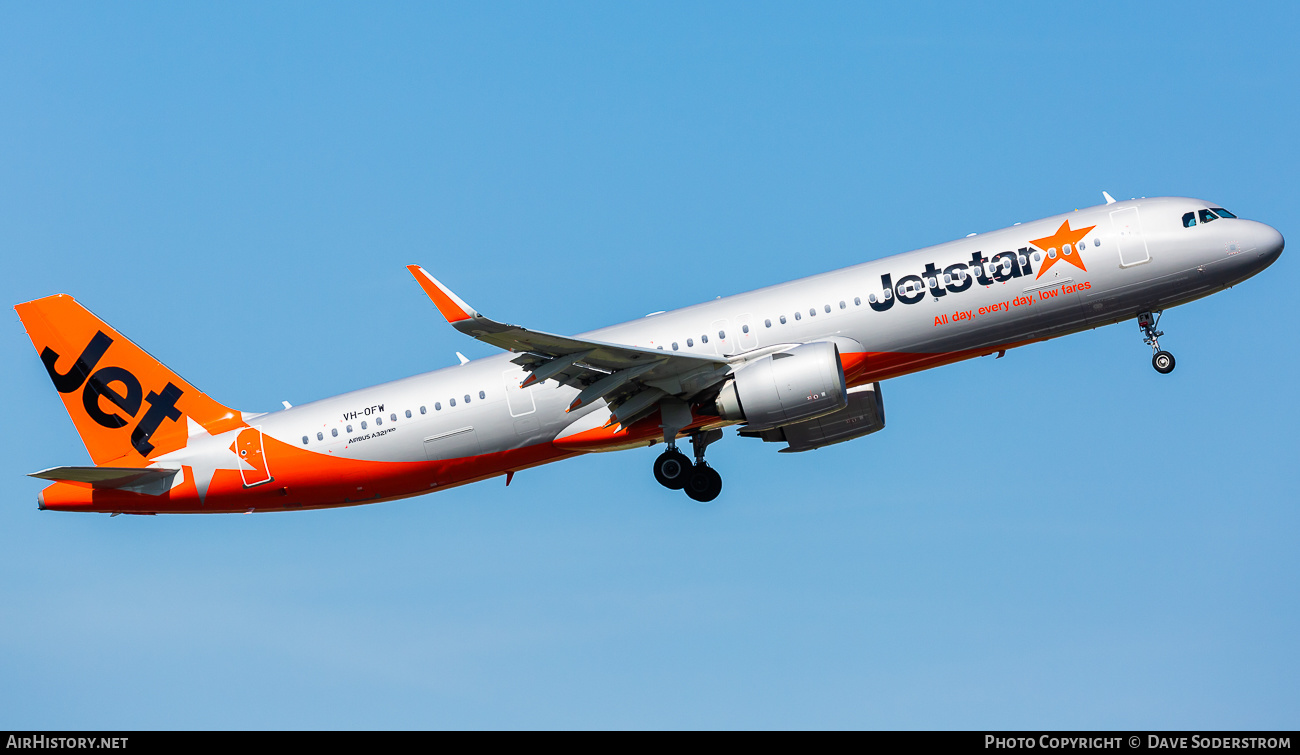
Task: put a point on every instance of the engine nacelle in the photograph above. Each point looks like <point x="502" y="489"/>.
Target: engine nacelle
<point x="792" y="386"/>
<point x="864" y="415"/>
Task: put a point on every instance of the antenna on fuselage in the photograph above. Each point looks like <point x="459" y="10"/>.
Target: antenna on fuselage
<point x="1109" y="198"/>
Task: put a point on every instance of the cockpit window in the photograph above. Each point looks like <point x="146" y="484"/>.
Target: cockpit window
<point x="1207" y="216"/>
<point x="1189" y="220"/>
<point x="1222" y="212"/>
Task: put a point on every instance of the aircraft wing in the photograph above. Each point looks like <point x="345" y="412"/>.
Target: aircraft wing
<point x="632" y="379"/>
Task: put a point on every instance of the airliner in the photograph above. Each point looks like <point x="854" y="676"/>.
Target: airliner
<point x="798" y="364"/>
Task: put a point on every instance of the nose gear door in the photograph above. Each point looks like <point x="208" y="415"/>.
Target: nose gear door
<point x="248" y="444"/>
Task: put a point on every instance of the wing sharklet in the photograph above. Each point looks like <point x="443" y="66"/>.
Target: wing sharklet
<point x="450" y="305"/>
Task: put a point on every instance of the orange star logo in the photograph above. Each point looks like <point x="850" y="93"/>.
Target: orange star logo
<point x="1056" y="244"/>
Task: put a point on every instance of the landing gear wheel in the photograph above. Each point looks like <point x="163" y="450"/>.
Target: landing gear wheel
<point x="704" y="483"/>
<point x="672" y="469"/>
<point x="1163" y="361"/>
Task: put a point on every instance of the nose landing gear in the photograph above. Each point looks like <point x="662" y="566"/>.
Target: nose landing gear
<point x="675" y="471"/>
<point x="1163" y="361"/>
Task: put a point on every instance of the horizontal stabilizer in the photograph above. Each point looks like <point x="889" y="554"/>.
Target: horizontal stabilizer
<point x="129" y="478"/>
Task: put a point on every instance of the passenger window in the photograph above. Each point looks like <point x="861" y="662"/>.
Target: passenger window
<point x="704" y="339"/>
<point x="744" y="328"/>
<point x="871" y="298"/>
<point x="889" y="294"/>
<point x="304" y="440"/>
<point x="674" y="346"/>
<point x="408" y="413"/>
<point x="857" y="301"/>
<point x="1096" y="241"/>
<point x="783" y="319"/>
<point x="320" y="436"/>
<point x="767" y="323"/>
<point x="1023" y="260"/>
<point x="393" y="417"/>
<point x="349" y="428"/>
<point x="1207" y="216"/>
<point x="467" y="398"/>
<point x="363" y="425"/>
<point x="1189" y="220"/>
<point x="1222" y="212"/>
<point x="722" y="335"/>
<point x="843" y="305"/>
<point x="1067" y="249"/>
<point x="423" y="410"/>
<point x="690" y="342"/>
<point x="379" y="421"/>
<point x="947" y="279"/>
<point x="483" y="394"/>
<point x="827" y="308"/>
<point x="812" y="311"/>
<point x="451" y="402"/>
<point x="334" y="431"/>
<point x="798" y="316"/>
<point x="437" y="406"/>
<point x="1052" y="253"/>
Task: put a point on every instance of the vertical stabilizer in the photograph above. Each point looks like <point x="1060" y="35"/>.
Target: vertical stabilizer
<point x="127" y="406"/>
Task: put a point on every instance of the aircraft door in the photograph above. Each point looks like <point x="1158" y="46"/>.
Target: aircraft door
<point x="520" y="400"/>
<point x="1129" y="238"/>
<point x="248" y="444"/>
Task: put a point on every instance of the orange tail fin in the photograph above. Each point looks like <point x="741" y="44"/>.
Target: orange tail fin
<point x="127" y="406"/>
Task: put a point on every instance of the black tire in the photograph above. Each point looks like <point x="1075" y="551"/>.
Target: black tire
<point x="672" y="469"/>
<point x="704" y="484"/>
<point x="1163" y="361"/>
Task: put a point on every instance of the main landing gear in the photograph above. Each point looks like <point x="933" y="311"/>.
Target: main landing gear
<point x="1163" y="361"/>
<point x="675" y="471"/>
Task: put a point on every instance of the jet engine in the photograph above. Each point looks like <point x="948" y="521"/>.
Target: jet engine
<point x="792" y="386"/>
<point x="864" y="414"/>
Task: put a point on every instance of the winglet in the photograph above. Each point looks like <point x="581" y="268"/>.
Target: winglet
<point x="450" y="305"/>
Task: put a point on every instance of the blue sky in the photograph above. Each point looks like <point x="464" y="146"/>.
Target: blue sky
<point x="1061" y="538"/>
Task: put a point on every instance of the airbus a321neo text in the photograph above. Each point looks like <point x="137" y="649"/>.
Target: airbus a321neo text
<point x="797" y="364"/>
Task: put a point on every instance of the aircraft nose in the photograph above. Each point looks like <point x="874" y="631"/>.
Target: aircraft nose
<point x="1268" y="242"/>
